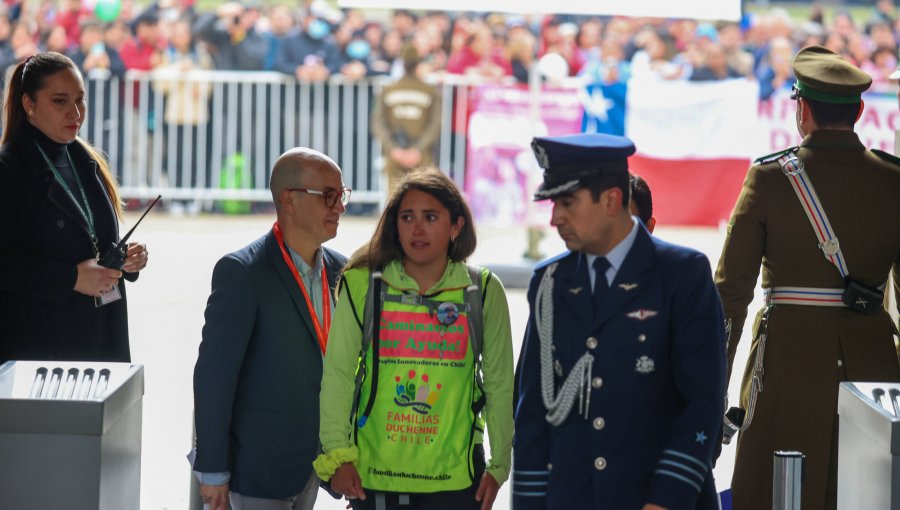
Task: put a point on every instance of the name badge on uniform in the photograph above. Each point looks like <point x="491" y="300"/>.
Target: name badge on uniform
<point x="108" y="297"/>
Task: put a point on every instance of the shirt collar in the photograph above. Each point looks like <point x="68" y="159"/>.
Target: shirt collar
<point x="302" y="267"/>
<point x="616" y="256"/>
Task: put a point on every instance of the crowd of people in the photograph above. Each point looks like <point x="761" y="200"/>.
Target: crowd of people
<point x="315" y="41"/>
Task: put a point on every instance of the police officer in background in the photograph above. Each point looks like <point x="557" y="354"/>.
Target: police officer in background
<point x="824" y="220"/>
<point x="407" y="121"/>
<point x="623" y="363"/>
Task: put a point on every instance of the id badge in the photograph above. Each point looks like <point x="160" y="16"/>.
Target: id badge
<point x="108" y="297"/>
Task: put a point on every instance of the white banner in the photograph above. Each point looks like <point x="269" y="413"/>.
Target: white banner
<point x="694" y="120"/>
<point x="695" y="9"/>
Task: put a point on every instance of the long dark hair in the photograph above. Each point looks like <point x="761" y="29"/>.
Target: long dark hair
<point x="385" y="246"/>
<point x="29" y="77"/>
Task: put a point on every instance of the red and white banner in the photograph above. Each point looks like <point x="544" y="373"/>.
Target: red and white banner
<point x="695" y="142"/>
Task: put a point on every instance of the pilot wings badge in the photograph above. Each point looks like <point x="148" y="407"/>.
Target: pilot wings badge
<point x="642" y="314"/>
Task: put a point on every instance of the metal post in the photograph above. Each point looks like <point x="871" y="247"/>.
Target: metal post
<point x="787" y="480"/>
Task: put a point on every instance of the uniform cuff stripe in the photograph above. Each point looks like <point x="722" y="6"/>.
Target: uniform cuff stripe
<point x="696" y="461"/>
<point x="520" y="472"/>
<point x="679" y="477"/>
<point x="530" y="494"/>
<point x="684" y="467"/>
<point x="530" y="483"/>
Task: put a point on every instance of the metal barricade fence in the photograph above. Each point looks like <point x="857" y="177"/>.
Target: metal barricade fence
<point x="214" y="135"/>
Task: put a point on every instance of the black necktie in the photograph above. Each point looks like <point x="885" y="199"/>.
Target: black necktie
<point x="600" y="283"/>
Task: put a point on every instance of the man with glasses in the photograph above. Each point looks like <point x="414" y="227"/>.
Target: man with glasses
<point x="823" y="220"/>
<point x="256" y="382"/>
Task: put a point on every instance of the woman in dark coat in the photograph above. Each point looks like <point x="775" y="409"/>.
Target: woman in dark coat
<point x="59" y="211"/>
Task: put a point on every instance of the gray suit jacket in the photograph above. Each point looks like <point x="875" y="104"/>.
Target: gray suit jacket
<point x="258" y="374"/>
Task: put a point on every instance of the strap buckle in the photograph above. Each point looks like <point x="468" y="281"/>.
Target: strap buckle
<point x="831" y="247"/>
<point x="791" y="165"/>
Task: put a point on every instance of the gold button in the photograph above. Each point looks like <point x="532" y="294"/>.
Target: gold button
<point x="597" y="382"/>
<point x="600" y="463"/>
<point x="591" y="343"/>
<point x="599" y="423"/>
<point x="642" y="338"/>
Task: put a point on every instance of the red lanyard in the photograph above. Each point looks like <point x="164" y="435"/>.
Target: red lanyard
<point x="321" y="334"/>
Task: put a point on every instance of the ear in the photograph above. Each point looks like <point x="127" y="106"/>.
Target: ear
<point x="27" y="103"/>
<point x="612" y="201"/>
<point x="285" y="198"/>
<point x="651" y="224"/>
<point x="456" y="228"/>
<point x="862" y="106"/>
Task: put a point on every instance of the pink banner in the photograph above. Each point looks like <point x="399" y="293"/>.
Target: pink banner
<point x="501" y="172"/>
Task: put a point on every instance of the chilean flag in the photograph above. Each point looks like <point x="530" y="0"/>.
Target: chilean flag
<point x="695" y="140"/>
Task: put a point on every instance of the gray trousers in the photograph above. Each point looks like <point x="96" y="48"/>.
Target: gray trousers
<point x="303" y="501"/>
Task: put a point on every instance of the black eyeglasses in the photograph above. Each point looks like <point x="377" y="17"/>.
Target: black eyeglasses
<point x="330" y="195"/>
<point x="795" y="92"/>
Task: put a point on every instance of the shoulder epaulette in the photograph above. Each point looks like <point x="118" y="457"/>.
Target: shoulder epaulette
<point x="890" y="158"/>
<point x="556" y="258"/>
<point x="775" y="155"/>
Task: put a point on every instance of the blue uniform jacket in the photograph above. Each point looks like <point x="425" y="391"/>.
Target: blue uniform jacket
<point x="657" y="386"/>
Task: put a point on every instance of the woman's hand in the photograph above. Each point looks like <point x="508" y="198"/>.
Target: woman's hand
<point x="135" y="258"/>
<point x="346" y="481"/>
<point x="94" y="279"/>
<point x="487" y="491"/>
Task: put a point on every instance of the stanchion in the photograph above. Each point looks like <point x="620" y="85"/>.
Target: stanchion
<point x="787" y="480"/>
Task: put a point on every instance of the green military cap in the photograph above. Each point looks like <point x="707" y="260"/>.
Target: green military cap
<point x="823" y="75"/>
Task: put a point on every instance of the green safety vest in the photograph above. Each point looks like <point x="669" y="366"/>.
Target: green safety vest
<point x="418" y="394"/>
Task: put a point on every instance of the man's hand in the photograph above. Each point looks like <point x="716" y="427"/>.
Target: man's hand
<point x="216" y="496"/>
<point x="487" y="491"/>
<point x="346" y="481"/>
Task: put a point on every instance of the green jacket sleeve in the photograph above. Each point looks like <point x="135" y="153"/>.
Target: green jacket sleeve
<point x="338" y="378"/>
<point x="497" y="371"/>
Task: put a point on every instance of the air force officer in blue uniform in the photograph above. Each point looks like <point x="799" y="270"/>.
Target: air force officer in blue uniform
<point x="623" y="365"/>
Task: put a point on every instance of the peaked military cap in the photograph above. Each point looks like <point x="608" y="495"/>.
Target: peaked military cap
<point x="568" y="161"/>
<point x="823" y="75"/>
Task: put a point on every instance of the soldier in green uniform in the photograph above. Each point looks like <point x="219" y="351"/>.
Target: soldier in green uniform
<point x="823" y="219"/>
<point x="407" y="121"/>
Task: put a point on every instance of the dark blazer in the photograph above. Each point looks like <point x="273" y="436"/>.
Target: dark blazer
<point x="657" y="386"/>
<point x="43" y="238"/>
<point x="258" y="374"/>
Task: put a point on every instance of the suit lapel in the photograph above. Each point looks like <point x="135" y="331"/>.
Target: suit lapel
<point x="276" y="258"/>
<point x="630" y="280"/>
<point x="573" y="286"/>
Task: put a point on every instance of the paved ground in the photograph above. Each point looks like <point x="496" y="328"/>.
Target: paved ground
<point x="166" y="316"/>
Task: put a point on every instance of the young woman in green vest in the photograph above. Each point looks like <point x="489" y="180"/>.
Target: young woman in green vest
<point x="413" y="437"/>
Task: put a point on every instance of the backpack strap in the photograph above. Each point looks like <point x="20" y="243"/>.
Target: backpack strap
<point x="474" y="302"/>
<point x="372" y="309"/>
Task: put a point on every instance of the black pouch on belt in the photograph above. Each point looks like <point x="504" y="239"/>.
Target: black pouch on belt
<point x="862" y="298"/>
